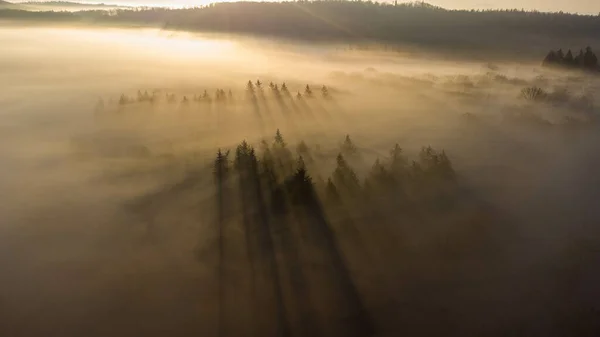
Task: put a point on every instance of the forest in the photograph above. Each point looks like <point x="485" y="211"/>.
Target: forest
<point x="418" y="24"/>
<point x="586" y="61"/>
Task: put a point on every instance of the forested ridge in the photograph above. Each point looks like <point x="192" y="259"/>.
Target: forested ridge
<point x="415" y="23"/>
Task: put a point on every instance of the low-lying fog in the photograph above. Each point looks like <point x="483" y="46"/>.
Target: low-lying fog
<point x="79" y="256"/>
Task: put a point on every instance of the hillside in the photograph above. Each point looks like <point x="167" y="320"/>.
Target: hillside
<point x="503" y="33"/>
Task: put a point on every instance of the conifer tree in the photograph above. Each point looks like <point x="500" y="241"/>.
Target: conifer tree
<point x="221" y="166"/>
<point x="398" y="162"/>
<point x="307" y="91"/>
<point x="569" y="60"/>
<point x="325" y="92"/>
<point x="344" y="176"/>
<point x="123" y="99"/>
<point x="590" y="61"/>
<point x="348" y="148"/>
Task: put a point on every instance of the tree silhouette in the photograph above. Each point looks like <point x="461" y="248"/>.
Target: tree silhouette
<point x="398" y="162"/>
<point x="348" y="148"/>
<point x="325" y="92"/>
<point x="379" y="180"/>
<point x="587" y="60"/>
<point x="282" y="156"/>
<point x="579" y="58"/>
<point x="569" y="60"/>
<point x="279" y="139"/>
<point x="221" y="166"/>
<point x="590" y="61"/>
<point x="344" y="177"/>
<point x="304" y="151"/>
<point x="307" y="91"/>
<point x="123" y="100"/>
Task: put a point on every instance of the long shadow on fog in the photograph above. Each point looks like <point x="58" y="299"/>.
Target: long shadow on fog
<point x="267" y="307"/>
<point x="263" y="104"/>
<point x="320" y="109"/>
<point x="297" y="111"/>
<point x="305" y="108"/>
<point x="338" y="296"/>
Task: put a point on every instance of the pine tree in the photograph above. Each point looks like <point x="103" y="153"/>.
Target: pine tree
<point x="579" y="58"/>
<point x="550" y="59"/>
<point x="279" y="139"/>
<point x="569" y="60"/>
<point x="398" y="162"/>
<point x="302" y="149"/>
<point x="325" y="92"/>
<point x="344" y="176"/>
<point x="123" y="99"/>
<point x="348" y="148"/>
<point x="590" y="61"/>
<point x="242" y="156"/>
<point x="307" y="91"/>
<point x="221" y="166"/>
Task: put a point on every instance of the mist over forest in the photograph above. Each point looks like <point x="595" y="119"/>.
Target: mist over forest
<point x="494" y="34"/>
<point x="245" y="170"/>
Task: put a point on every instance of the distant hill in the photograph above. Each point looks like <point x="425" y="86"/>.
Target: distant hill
<point x="70" y="4"/>
<point x="4" y="4"/>
<point x="493" y="33"/>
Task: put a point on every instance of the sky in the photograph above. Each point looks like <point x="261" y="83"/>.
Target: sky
<point x="574" y="6"/>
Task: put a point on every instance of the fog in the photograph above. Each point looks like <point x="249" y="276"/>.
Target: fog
<point x="108" y="207"/>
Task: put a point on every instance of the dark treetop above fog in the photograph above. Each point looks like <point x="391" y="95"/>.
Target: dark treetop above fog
<point x="584" y="60"/>
<point x="420" y="24"/>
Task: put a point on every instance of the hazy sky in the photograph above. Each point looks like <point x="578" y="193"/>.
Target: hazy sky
<point x="579" y="6"/>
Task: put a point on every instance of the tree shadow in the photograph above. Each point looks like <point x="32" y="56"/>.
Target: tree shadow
<point x="304" y="107"/>
<point x="338" y="297"/>
<point x="269" y="300"/>
<point x="262" y="103"/>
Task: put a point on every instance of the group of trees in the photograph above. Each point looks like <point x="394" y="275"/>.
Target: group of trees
<point x="584" y="60"/>
<point x="219" y="96"/>
<point x="277" y="91"/>
<point x="284" y="170"/>
<point x="287" y="208"/>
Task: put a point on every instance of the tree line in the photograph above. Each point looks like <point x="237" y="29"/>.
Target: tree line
<point x="584" y="60"/>
<point x="220" y="96"/>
